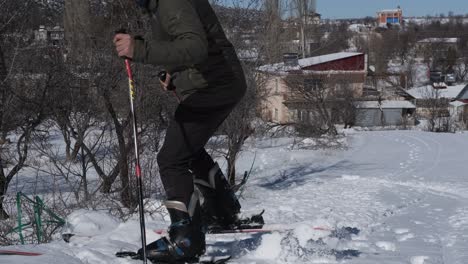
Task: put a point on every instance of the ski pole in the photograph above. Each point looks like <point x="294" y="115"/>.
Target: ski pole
<point x="132" y="93"/>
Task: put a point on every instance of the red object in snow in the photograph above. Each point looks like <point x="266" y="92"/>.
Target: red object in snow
<point x="19" y="253"/>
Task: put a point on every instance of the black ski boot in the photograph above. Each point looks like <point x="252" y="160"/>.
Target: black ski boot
<point x="220" y="206"/>
<point x="186" y="242"/>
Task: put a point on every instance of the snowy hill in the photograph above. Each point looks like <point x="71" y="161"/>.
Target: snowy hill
<point x="405" y="191"/>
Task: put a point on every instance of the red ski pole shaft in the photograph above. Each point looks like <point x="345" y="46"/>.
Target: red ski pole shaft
<point x="132" y="92"/>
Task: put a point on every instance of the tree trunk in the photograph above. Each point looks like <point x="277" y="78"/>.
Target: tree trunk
<point x="66" y="139"/>
<point x="231" y="170"/>
<point x="84" y="176"/>
<point x="76" y="149"/>
<point x="3" y="190"/>
<point x="126" y="194"/>
<point x="78" y="23"/>
<point x="3" y="97"/>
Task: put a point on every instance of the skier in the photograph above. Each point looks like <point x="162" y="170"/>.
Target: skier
<point x="188" y="40"/>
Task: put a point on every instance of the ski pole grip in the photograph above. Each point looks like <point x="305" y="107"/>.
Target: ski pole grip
<point x="162" y="77"/>
<point x="121" y="31"/>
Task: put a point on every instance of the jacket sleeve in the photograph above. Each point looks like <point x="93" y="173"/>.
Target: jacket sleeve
<point x="189" y="43"/>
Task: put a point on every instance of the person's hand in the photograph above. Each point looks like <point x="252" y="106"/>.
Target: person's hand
<point x="124" y="44"/>
<point x="165" y="84"/>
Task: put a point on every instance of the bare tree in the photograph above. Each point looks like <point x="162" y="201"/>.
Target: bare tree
<point x="321" y="102"/>
<point x="272" y="26"/>
<point x="104" y="107"/>
<point x="27" y="74"/>
<point x="239" y="125"/>
<point x="304" y="10"/>
<point x="337" y="39"/>
<point x="436" y="110"/>
<point x="27" y="108"/>
<point x="461" y="67"/>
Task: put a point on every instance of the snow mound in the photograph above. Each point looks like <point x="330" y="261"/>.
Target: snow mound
<point x="305" y="233"/>
<point x="270" y="248"/>
<point x="90" y="223"/>
<point x="311" y="242"/>
<point x="350" y="177"/>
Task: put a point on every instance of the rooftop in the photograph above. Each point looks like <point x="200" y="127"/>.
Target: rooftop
<point x="384" y="105"/>
<point x="428" y="92"/>
<point x="390" y="11"/>
<point x="439" y="40"/>
<point x="307" y="62"/>
<point x="457" y="104"/>
<point x="463" y="95"/>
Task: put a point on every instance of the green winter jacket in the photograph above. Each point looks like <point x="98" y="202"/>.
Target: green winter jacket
<point x="188" y="40"/>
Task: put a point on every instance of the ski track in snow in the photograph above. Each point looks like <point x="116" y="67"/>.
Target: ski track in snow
<point x="399" y="188"/>
<point x="406" y="191"/>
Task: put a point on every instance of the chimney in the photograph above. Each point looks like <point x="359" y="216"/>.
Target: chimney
<point x="291" y="59"/>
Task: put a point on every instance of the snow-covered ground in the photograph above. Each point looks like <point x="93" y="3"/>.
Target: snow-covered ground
<point x="406" y="191"/>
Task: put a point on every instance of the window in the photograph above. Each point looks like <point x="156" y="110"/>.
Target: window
<point x="312" y="84"/>
<point x="303" y="116"/>
<point x="276" y="114"/>
<point x="292" y="115"/>
<point x="276" y="86"/>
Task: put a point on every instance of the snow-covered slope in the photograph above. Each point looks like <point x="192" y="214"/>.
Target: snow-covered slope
<point x="406" y="191"/>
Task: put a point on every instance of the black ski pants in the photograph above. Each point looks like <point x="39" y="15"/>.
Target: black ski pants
<point x="183" y="154"/>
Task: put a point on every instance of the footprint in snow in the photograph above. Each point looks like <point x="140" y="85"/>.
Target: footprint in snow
<point x="388" y="246"/>
<point x="400" y="231"/>
<point x="419" y="259"/>
<point x="405" y="237"/>
<point x="350" y="177"/>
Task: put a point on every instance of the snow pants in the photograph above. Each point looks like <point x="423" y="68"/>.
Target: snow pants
<point x="183" y="153"/>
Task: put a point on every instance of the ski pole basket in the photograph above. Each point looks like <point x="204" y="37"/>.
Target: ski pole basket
<point x="37" y="223"/>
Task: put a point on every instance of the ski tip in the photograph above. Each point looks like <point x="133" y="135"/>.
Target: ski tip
<point x="224" y="260"/>
<point x="19" y="253"/>
<point x="218" y="261"/>
<point x="125" y="254"/>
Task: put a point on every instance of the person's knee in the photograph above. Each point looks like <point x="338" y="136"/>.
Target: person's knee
<point x="167" y="162"/>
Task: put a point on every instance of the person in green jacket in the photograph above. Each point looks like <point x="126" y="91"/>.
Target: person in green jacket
<point x="187" y="39"/>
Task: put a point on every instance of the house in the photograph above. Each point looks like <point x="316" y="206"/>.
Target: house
<point x="390" y="17"/>
<point x="449" y="102"/>
<point x="460" y="106"/>
<point x="463" y="95"/>
<point x="459" y="112"/>
<point x="343" y="70"/>
<point x="436" y="47"/>
<point x="49" y="35"/>
<point x="384" y="113"/>
<point x="360" y="28"/>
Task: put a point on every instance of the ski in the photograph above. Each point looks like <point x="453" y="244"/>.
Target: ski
<point x="18" y="253"/>
<point x="134" y="255"/>
<point x="251" y="224"/>
<point x="342" y="232"/>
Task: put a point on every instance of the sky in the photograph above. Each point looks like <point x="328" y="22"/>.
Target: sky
<point x="363" y="8"/>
